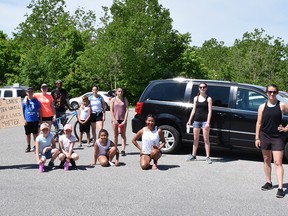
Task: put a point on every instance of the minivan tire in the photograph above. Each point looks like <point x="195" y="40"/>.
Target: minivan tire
<point x="172" y="139"/>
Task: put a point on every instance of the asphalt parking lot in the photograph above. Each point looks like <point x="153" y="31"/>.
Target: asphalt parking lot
<point x="229" y="186"/>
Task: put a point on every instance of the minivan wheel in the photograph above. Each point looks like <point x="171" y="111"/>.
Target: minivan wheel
<point x="172" y="139"/>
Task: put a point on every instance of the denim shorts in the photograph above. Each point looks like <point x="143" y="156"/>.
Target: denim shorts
<point x="197" y="124"/>
<point x="47" y="155"/>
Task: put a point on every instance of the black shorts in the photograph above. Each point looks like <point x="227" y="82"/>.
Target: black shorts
<point x="31" y="127"/>
<point x="274" y="142"/>
<point x="96" y="117"/>
<point x="50" y="118"/>
<point x="85" y="127"/>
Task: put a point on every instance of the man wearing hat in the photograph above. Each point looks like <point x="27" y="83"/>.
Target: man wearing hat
<point x="61" y="100"/>
<point x="31" y="110"/>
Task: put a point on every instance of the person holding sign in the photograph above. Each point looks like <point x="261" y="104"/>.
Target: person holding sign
<point x="31" y="111"/>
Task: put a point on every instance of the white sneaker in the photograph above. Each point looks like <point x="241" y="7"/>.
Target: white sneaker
<point x="111" y="163"/>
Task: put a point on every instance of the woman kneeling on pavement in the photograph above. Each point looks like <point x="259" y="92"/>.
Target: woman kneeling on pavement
<point x="152" y="142"/>
<point x="45" y="147"/>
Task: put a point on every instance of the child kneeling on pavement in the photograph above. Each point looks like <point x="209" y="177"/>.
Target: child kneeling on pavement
<point x="66" y="145"/>
<point x="45" y="147"/>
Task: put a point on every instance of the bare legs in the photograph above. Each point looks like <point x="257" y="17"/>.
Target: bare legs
<point x="278" y="156"/>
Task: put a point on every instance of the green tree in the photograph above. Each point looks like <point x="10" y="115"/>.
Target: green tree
<point x="258" y="58"/>
<point x="137" y="44"/>
<point x="9" y="59"/>
<point x="51" y="40"/>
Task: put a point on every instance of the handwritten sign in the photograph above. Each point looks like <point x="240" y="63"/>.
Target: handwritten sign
<point x="11" y="114"/>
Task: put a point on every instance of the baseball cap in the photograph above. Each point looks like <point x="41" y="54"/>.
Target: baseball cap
<point x="68" y="127"/>
<point x="58" y="81"/>
<point x="44" y="125"/>
<point x="44" y="85"/>
<point x="29" y="89"/>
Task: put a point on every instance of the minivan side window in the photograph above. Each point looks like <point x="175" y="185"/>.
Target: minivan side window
<point x="219" y="94"/>
<point x="249" y="100"/>
<point x="21" y="93"/>
<point x="167" y="92"/>
<point x="8" y="93"/>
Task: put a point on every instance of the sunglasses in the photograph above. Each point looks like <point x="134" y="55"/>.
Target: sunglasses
<point x="270" y="92"/>
<point x="202" y="87"/>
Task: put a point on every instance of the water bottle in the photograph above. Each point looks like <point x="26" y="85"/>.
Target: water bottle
<point x="187" y="128"/>
<point x="120" y="128"/>
<point x="41" y="167"/>
<point x="66" y="166"/>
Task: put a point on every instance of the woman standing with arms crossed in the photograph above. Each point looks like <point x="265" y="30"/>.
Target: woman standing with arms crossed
<point x="47" y="105"/>
<point x="97" y="112"/>
<point x="119" y="112"/>
<point x="202" y="112"/>
<point x="269" y="138"/>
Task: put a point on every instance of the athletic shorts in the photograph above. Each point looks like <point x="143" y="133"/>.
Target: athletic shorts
<point x="96" y="117"/>
<point x="274" y="142"/>
<point x="50" y="118"/>
<point x="85" y="127"/>
<point x="47" y="155"/>
<point x="197" y="124"/>
<point x="31" y="127"/>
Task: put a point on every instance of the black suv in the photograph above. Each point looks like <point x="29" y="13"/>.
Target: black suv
<point x="234" y="111"/>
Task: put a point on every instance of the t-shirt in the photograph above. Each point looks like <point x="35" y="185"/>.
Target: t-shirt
<point x="60" y="99"/>
<point x="44" y="141"/>
<point x="31" y="109"/>
<point x="67" y="141"/>
<point x="45" y="101"/>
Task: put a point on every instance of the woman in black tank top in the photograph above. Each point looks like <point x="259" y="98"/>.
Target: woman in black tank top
<point x="202" y="112"/>
<point x="269" y="131"/>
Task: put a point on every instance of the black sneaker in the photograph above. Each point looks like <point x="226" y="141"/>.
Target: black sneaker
<point x="74" y="167"/>
<point x="61" y="166"/>
<point x="123" y="153"/>
<point x="280" y="193"/>
<point x="51" y="165"/>
<point x="267" y="186"/>
<point x="28" y="149"/>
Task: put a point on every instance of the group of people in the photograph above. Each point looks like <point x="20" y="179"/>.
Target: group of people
<point x="43" y="109"/>
<point x="40" y="107"/>
<point x="269" y="136"/>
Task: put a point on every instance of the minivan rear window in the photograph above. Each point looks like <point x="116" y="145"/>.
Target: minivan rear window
<point x="219" y="94"/>
<point x="21" y="93"/>
<point x="167" y="92"/>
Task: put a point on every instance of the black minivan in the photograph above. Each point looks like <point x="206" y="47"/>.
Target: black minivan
<point x="234" y="111"/>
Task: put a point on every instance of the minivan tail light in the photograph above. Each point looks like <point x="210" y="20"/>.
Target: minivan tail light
<point x="138" y="108"/>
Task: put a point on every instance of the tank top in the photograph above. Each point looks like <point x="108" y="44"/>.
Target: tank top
<point x="84" y="113"/>
<point x="103" y="149"/>
<point x="201" y="110"/>
<point x="149" y="139"/>
<point x="271" y="119"/>
<point x="96" y="104"/>
<point x="119" y="109"/>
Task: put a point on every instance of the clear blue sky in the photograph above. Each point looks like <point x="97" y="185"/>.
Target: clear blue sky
<point x="225" y="20"/>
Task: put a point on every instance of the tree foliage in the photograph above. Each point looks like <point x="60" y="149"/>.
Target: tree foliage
<point x="134" y="43"/>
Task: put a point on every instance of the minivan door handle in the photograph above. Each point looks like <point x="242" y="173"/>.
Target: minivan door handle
<point x="238" y="116"/>
<point x="221" y="114"/>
